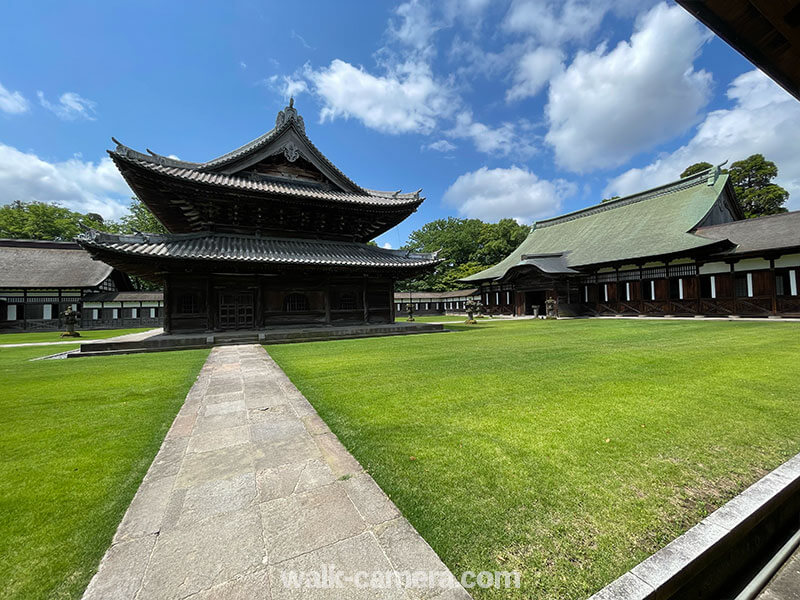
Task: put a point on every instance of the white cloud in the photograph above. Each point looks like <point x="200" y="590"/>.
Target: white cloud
<point x="293" y="87"/>
<point x="13" y="103"/>
<point x="764" y="119"/>
<point x="608" y="106"/>
<point x="415" y="26"/>
<point x="502" y="140"/>
<point x="440" y="146"/>
<point x="75" y="184"/>
<point x="492" y="194"/>
<point x="387" y="246"/>
<point x="406" y="99"/>
<point x="554" y="22"/>
<point x="534" y="70"/>
<point x="70" y="106"/>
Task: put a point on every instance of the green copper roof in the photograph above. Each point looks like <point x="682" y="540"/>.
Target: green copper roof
<point x="651" y="223"/>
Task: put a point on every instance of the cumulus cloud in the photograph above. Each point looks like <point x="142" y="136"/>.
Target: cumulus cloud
<point x="13" y="103"/>
<point x="70" y="106"/>
<point x="607" y="106"/>
<point x="555" y="22"/>
<point x="763" y="119"/>
<point x="534" y="70"/>
<point x="500" y="140"/>
<point x="492" y="194"/>
<point x="440" y="146"/>
<point x="387" y="246"/>
<point x="407" y="99"/>
<point x="75" y="184"/>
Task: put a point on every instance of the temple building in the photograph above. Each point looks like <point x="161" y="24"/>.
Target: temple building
<point x="39" y="279"/>
<point x="269" y="234"/>
<point x="681" y="249"/>
<point x="435" y="303"/>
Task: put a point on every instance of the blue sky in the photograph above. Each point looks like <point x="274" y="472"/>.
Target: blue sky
<point x="518" y="108"/>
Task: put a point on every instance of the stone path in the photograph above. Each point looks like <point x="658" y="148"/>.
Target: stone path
<point x="128" y="337"/>
<point x="252" y="497"/>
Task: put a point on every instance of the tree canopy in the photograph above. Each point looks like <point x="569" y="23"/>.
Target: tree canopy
<point x="42" y="221"/>
<point x="468" y="246"/>
<point x="695" y="168"/>
<point x="752" y="181"/>
<point x="139" y="219"/>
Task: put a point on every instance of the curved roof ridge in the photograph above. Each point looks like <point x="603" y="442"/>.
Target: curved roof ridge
<point x="180" y="172"/>
<point x="661" y="190"/>
<point x="286" y="118"/>
<point x="390" y="194"/>
<point x="95" y="236"/>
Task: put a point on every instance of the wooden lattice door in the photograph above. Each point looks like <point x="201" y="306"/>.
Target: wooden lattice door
<point x="236" y="310"/>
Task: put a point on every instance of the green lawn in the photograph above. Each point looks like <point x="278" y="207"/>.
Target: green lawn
<point x="76" y="438"/>
<point x="439" y="319"/>
<point x="567" y="450"/>
<point x="27" y="337"/>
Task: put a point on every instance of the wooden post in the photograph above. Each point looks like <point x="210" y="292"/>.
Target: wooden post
<point x="773" y="287"/>
<point x="364" y="299"/>
<point x="697" y="288"/>
<point x="25" y="309"/>
<point x="327" y="300"/>
<point x="209" y="304"/>
<point x="392" y="315"/>
<point x="167" y="307"/>
<point x="733" y="288"/>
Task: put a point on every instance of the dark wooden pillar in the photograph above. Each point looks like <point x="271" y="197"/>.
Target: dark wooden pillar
<point x="259" y="316"/>
<point x="327" y="300"/>
<point x="733" y="287"/>
<point x="697" y="292"/>
<point x="167" y="304"/>
<point x="773" y="287"/>
<point x="393" y="305"/>
<point x="364" y="300"/>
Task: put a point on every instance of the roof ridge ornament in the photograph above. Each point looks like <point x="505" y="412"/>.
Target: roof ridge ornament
<point x="291" y="152"/>
<point x="289" y="113"/>
<point x="714" y="172"/>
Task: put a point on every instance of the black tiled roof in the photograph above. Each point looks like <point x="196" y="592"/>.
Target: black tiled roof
<point x="131" y="157"/>
<point x="254" y="249"/>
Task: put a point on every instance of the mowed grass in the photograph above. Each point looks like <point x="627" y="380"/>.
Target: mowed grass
<point x="439" y="319"/>
<point x="566" y="450"/>
<point x="76" y="438"/>
<point x="27" y="337"/>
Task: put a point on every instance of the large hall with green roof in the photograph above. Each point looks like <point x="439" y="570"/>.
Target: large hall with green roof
<point x="681" y="249"/>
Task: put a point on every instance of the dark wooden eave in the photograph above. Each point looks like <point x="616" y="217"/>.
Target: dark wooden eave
<point x="149" y="255"/>
<point x="191" y="202"/>
<point x="766" y="32"/>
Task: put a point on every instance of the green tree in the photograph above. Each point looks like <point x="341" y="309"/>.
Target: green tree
<point x="695" y="168"/>
<point x="467" y="245"/>
<point x="141" y="219"/>
<point x="752" y="181"/>
<point x="43" y="221"/>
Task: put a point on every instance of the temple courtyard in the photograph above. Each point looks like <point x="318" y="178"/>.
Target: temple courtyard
<point x="565" y="450"/>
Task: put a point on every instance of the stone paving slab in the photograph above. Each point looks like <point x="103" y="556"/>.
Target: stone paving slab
<point x="251" y="496"/>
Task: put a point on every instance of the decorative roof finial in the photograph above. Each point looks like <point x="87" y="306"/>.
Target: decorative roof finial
<point x="288" y="114"/>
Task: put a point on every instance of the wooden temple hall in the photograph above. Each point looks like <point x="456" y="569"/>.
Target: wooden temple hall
<point x="267" y="235"/>
<point x="681" y="249"/>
